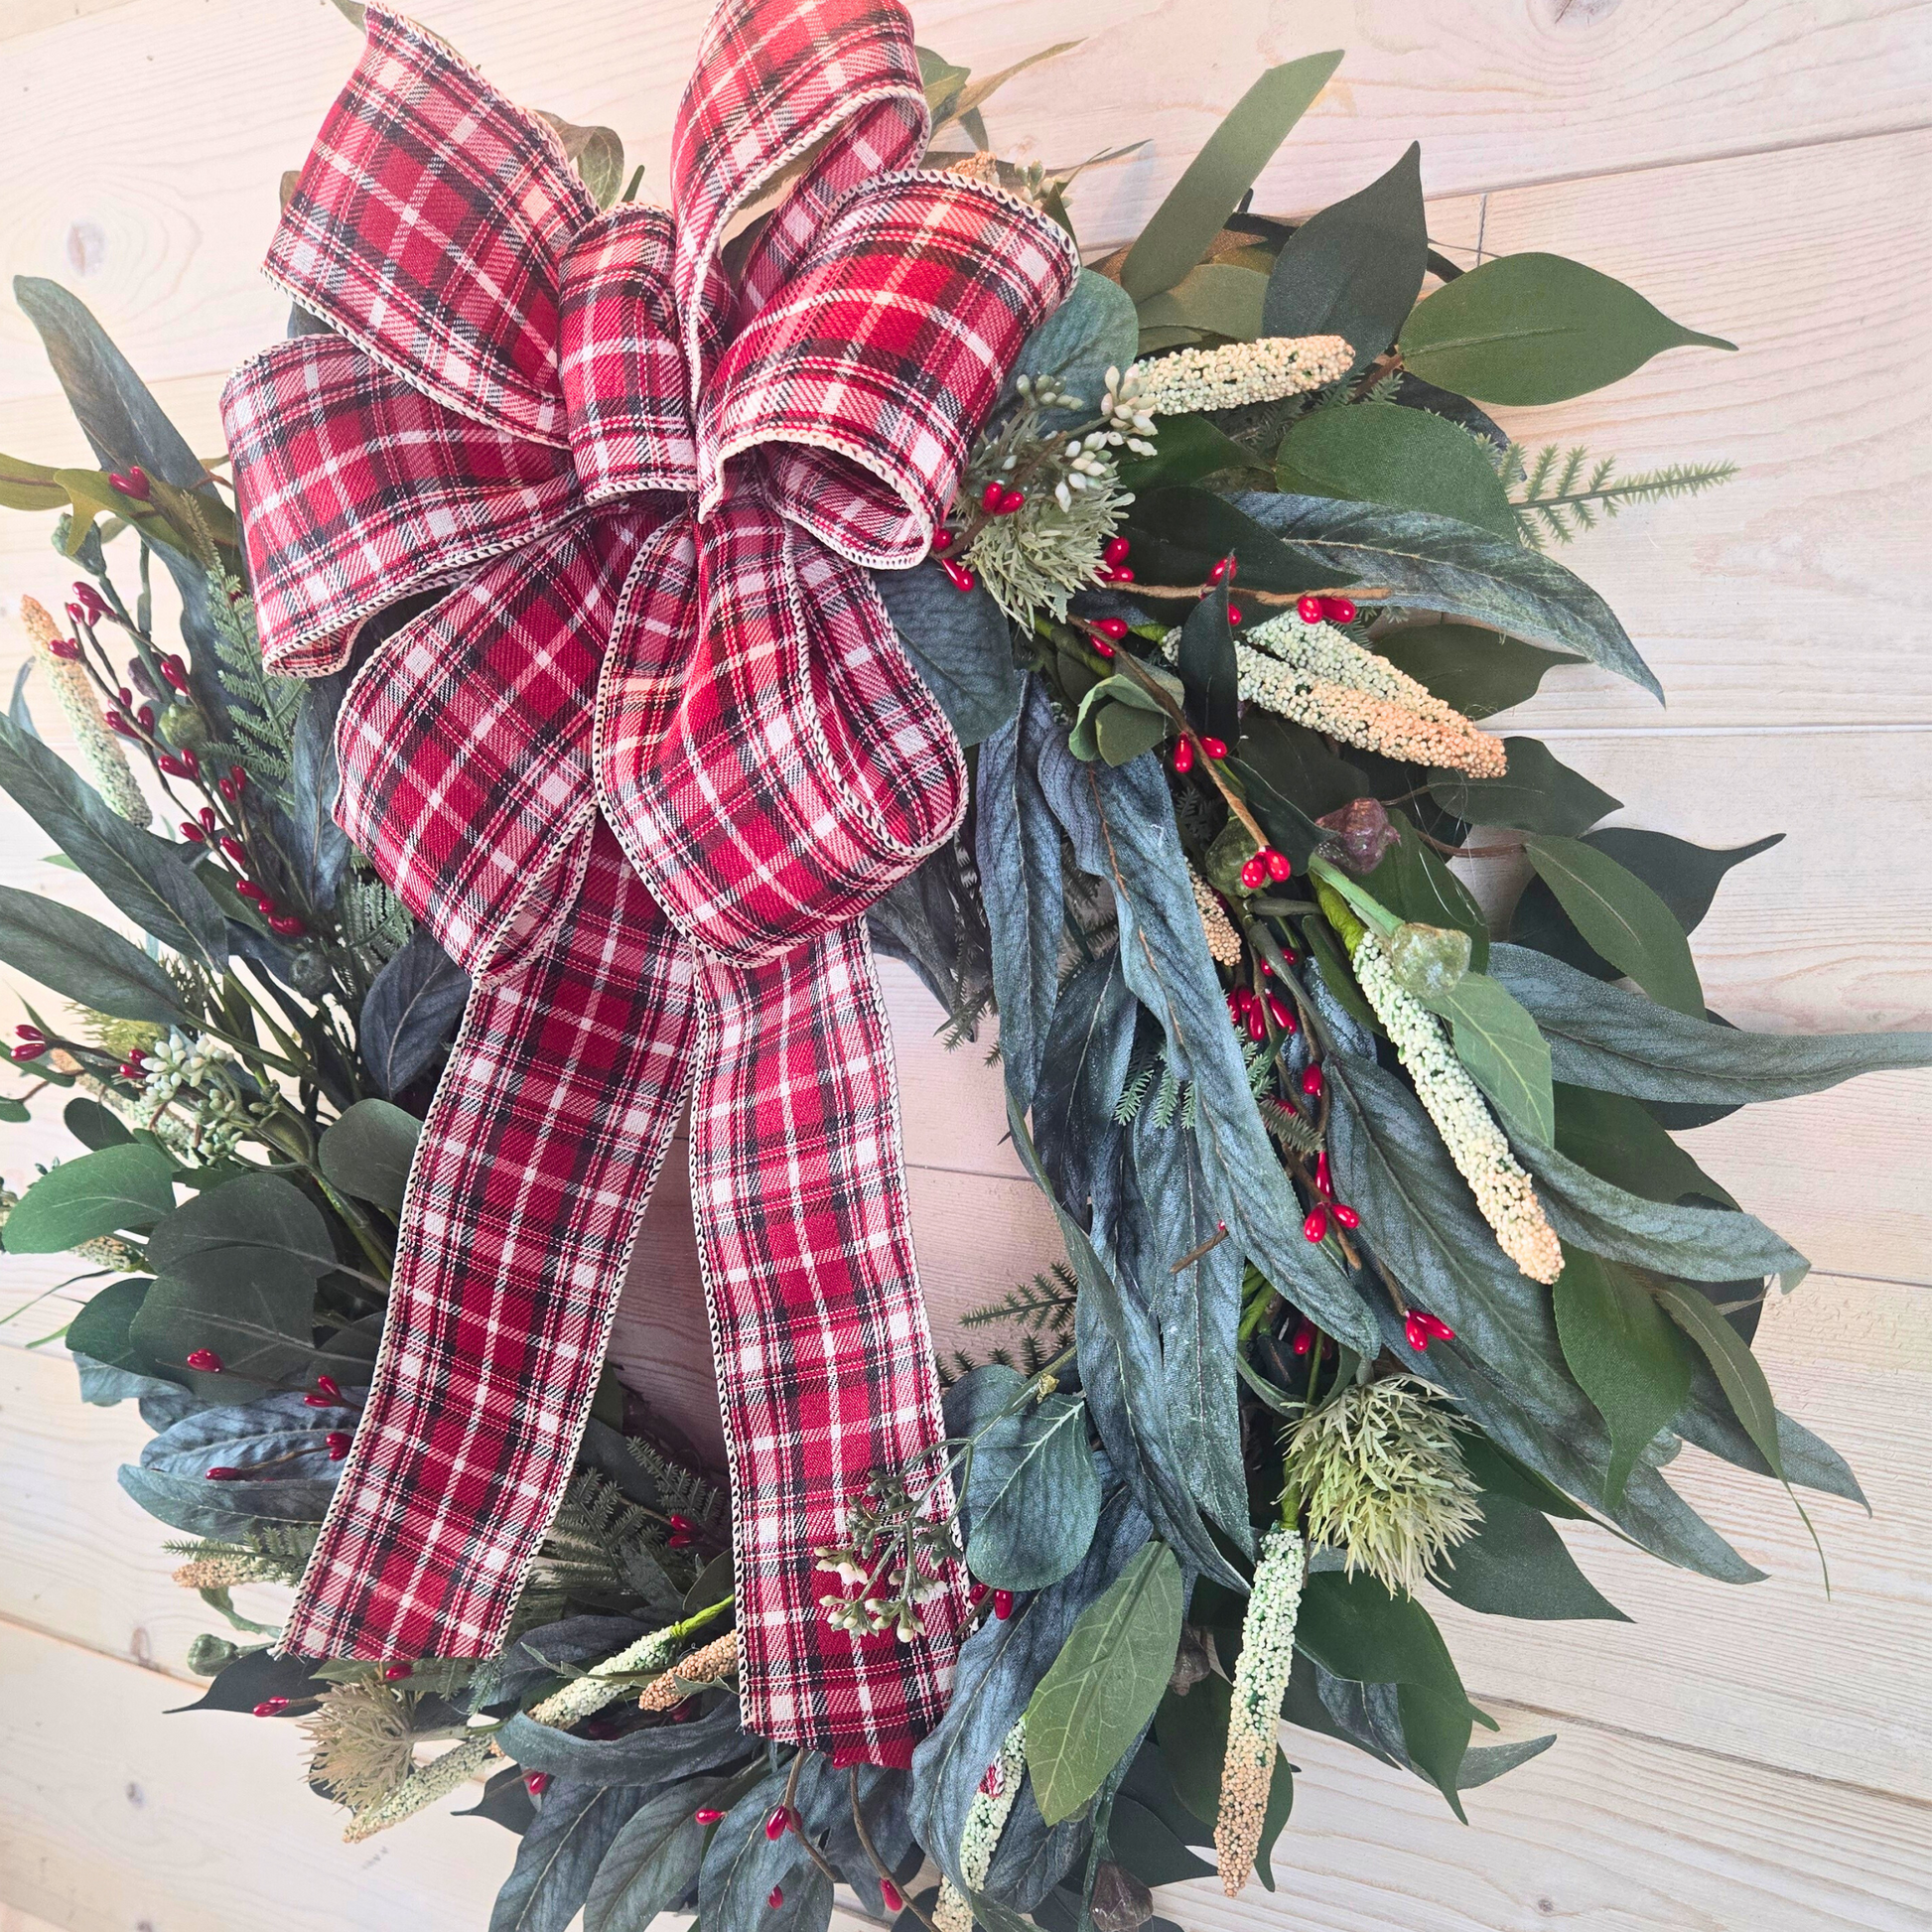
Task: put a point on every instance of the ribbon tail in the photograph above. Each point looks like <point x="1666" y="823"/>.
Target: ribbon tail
<point x="530" y="1181"/>
<point x="826" y="1376"/>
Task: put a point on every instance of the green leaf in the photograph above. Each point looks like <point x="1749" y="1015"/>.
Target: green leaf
<point x="958" y="644"/>
<point x="1507" y="1057"/>
<point x="1200" y="202"/>
<point x="652" y="1862"/>
<point x="1187" y="449"/>
<point x="1414" y="883"/>
<point x="93" y="1125"/>
<point x="1292" y="779"/>
<point x="1354" y="270"/>
<point x="1685" y="877"/>
<point x="1208" y="671"/>
<point x="1094" y="330"/>
<point x="1479" y="672"/>
<point x="1602" y="1037"/>
<point x="28" y="485"/>
<point x="1516" y="1565"/>
<point x="1621" y="918"/>
<point x="1624" y="1355"/>
<point x="82" y="960"/>
<point x="1381" y="452"/>
<point x="1105" y="1684"/>
<point x="1535" y="328"/>
<point x="130" y="1187"/>
<point x="1216" y="299"/>
<point x="100" y="1331"/>
<point x="1618" y="1139"/>
<point x="1034" y="1495"/>
<point x="1082" y="1071"/>
<point x="1192" y="1733"/>
<point x="1536" y="794"/>
<point x="558" y="1856"/>
<point x="1122" y="733"/>
<point x="367" y="1151"/>
<point x="1499" y="1473"/>
<point x="1435" y="562"/>
<point x="596" y="153"/>
<point x="1734" y="1364"/>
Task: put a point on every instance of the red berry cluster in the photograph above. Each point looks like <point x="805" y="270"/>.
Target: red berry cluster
<point x="1421" y="1329"/>
<point x="1326" y="609"/>
<point x="1266" y="864"/>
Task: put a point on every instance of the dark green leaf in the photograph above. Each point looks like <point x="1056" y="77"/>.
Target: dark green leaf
<point x="1192" y="1733"/>
<point x="1535" y="328"/>
<point x="315" y="846"/>
<point x="1624" y="1354"/>
<point x="1621" y="918"/>
<point x="1200" y="202"/>
<point x="367" y="1151"/>
<point x="652" y="1862"/>
<point x="1149" y="1847"/>
<point x="557" y="1858"/>
<point x="93" y="1125"/>
<point x="1292" y="779"/>
<point x="1435" y="563"/>
<point x="1602" y="1037"/>
<point x="1094" y="330"/>
<point x="1034" y="1495"/>
<point x="1354" y="270"/>
<point x="650" y="1758"/>
<point x="1507" y="1058"/>
<point x="1616" y="1138"/>
<point x="1414" y="883"/>
<point x="100" y="1331"/>
<point x="1092" y="1705"/>
<point x="1380" y="453"/>
<point x="1685" y="877"/>
<point x="1187" y="449"/>
<point x="410" y="1010"/>
<point x="1479" y="672"/>
<point x="255" y="1675"/>
<point x="1538" y="794"/>
<point x="1483" y="1762"/>
<point x="1082" y="1071"/>
<point x="1499" y="1473"/>
<point x="1207" y="668"/>
<point x="1734" y="1364"/>
<point x="1436" y="1735"/>
<point x="958" y="644"/>
<point x="1216" y="299"/>
<point x="1123" y="731"/>
<point x="127" y="1187"/>
<point x="1516" y="1565"/>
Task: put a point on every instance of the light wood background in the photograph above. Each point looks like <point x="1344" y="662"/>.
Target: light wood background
<point x="1754" y="1758"/>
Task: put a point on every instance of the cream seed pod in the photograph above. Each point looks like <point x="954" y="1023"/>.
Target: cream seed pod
<point x="986" y="1819"/>
<point x="101" y="750"/>
<point x="707" y="1665"/>
<point x="1453" y="1101"/>
<point x="1267" y="370"/>
<point x="1261" y="1674"/>
<point x="1223" y="942"/>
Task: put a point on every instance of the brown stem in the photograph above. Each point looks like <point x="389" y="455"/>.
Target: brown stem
<point x="872" y="1851"/>
<point x="1207" y="1246"/>
<point x="798" y="1824"/>
<point x="1359" y="592"/>
<point x="1469" y="851"/>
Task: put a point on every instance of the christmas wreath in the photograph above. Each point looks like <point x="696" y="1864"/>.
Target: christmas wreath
<point x="1380" y="1253"/>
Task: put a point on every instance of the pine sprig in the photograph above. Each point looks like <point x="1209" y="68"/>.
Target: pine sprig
<point x="1566" y="492"/>
<point x="1042" y="1304"/>
<point x="262" y="708"/>
<point x="682" y="1491"/>
<point x="602" y="1545"/>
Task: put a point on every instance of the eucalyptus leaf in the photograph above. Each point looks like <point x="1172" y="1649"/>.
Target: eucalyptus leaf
<point x="1180" y="231"/>
<point x="1535" y="328"/>
<point x="1621" y="918"/>
<point x="93" y="1125"/>
<point x="367" y="1151"/>
<point x="958" y="644"/>
<point x="1381" y="452"/>
<point x="99" y="1330"/>
<point x="129" y="1187"/>
<point x="1034" y="1495"/>
<point x="1354" y="270"/>
<point x="1602" y="1037"/>
<point x="1092" y="1707"/>
<point x="1627" y="1356"/>
<point x="1094" y="330"/>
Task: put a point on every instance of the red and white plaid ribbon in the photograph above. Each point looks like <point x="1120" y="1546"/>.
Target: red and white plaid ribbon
<point x="640" y="770"/>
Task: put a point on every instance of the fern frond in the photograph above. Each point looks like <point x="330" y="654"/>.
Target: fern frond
<point x="1044" y="1302"/>
<point x="1290" y="1129"/>
<point x="683" y="1491"/>
<point x="602" y="1545"/>
<point x="262" y="708"/>
<point x="1560" y="501"/>
<point x="962" y="1024"/>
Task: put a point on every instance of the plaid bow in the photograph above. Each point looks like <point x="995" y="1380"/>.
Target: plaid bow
<point x="640" y="769"/>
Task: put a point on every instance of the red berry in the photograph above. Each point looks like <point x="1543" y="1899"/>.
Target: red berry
<point x="1003" y="1604"/>
<point x="271" y="1706"/>
<point x="227" y="788"/>
<point x="961" y="578"/>
<point x="147" y="718"/>
<point x="1183" y="756"/>
<point x="1312" y="1081"/>
<point x="1416" y="1332"/>
<point x="1282" y="1012"/>
<point x="1011" y="500"/>
<point x="90" y="601"/>
<point x="1257" y="1025"/>
<point x="775" y="1897"/>
<point x="29" y="1049"/>
<point x="287" y="925"/>
<point x="1253" y="873"/>
<point x="1234" y="614"/>
<point x="1115" y="551"/>
<point x="64" y="648"/>
<point x="1222" y="570"/>
<point x="395" y="1673"/>
<point x="990" y="496"/>
<point x="1322" y="1178"/>
<point x="336" y="1442"/>
<point x="171" y="764"/>
<point x="1338" y="610"/>
<point x="135" y="483"/>
<point x="888" y="1894"/>
<point x="1113" y="628"/>
<point x="207" y="818"/>
<point x="1215" y="748"/>
<point x="247" y="889"/>
<point x="537" y="1784"/>
<point x="944" y="539"/>
<point x="193" y="760"/>
<point x="238" y="777"/>
<point x="1303" y="1339"/>
<point x="29" y="1032"/>
<point x="778" y="1824"/>
<point x="1316" y="1227"/>
<point x="1277" y="863"/>
<point x="1308" y="609"/>
<point x="1348" y="1216"/>
<point x="222" y="1473"/>
<point x="116" y="723"/>
<point x="1115" y="573"/>
<point x="707" y="1815"/>
<point x="176" y="672"/>
<point x="1101" y="647"/>
<point x="678" y="1540"/>
<point x="1438" y="1330"/>
<point x="77" y="613"/>
<point x="233" y="850"/>
<point x="329" y="1386"/>
<point x="206" y="1360"/>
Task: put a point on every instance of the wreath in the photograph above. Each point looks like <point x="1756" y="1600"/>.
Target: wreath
<point x="1380" y="1255"/>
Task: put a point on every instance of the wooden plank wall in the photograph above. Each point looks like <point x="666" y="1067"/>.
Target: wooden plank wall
<point x="1732" y="1760"/>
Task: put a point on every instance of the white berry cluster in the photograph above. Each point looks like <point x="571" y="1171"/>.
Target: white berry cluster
<point x="897" y="1552"/>
<point x="1261" y="1676"/>
<point x="1476" y="1144"/>
<point x="1266" y="370"/>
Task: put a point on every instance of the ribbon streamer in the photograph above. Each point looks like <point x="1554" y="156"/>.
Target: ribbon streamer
<point x="640" y="770"/>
